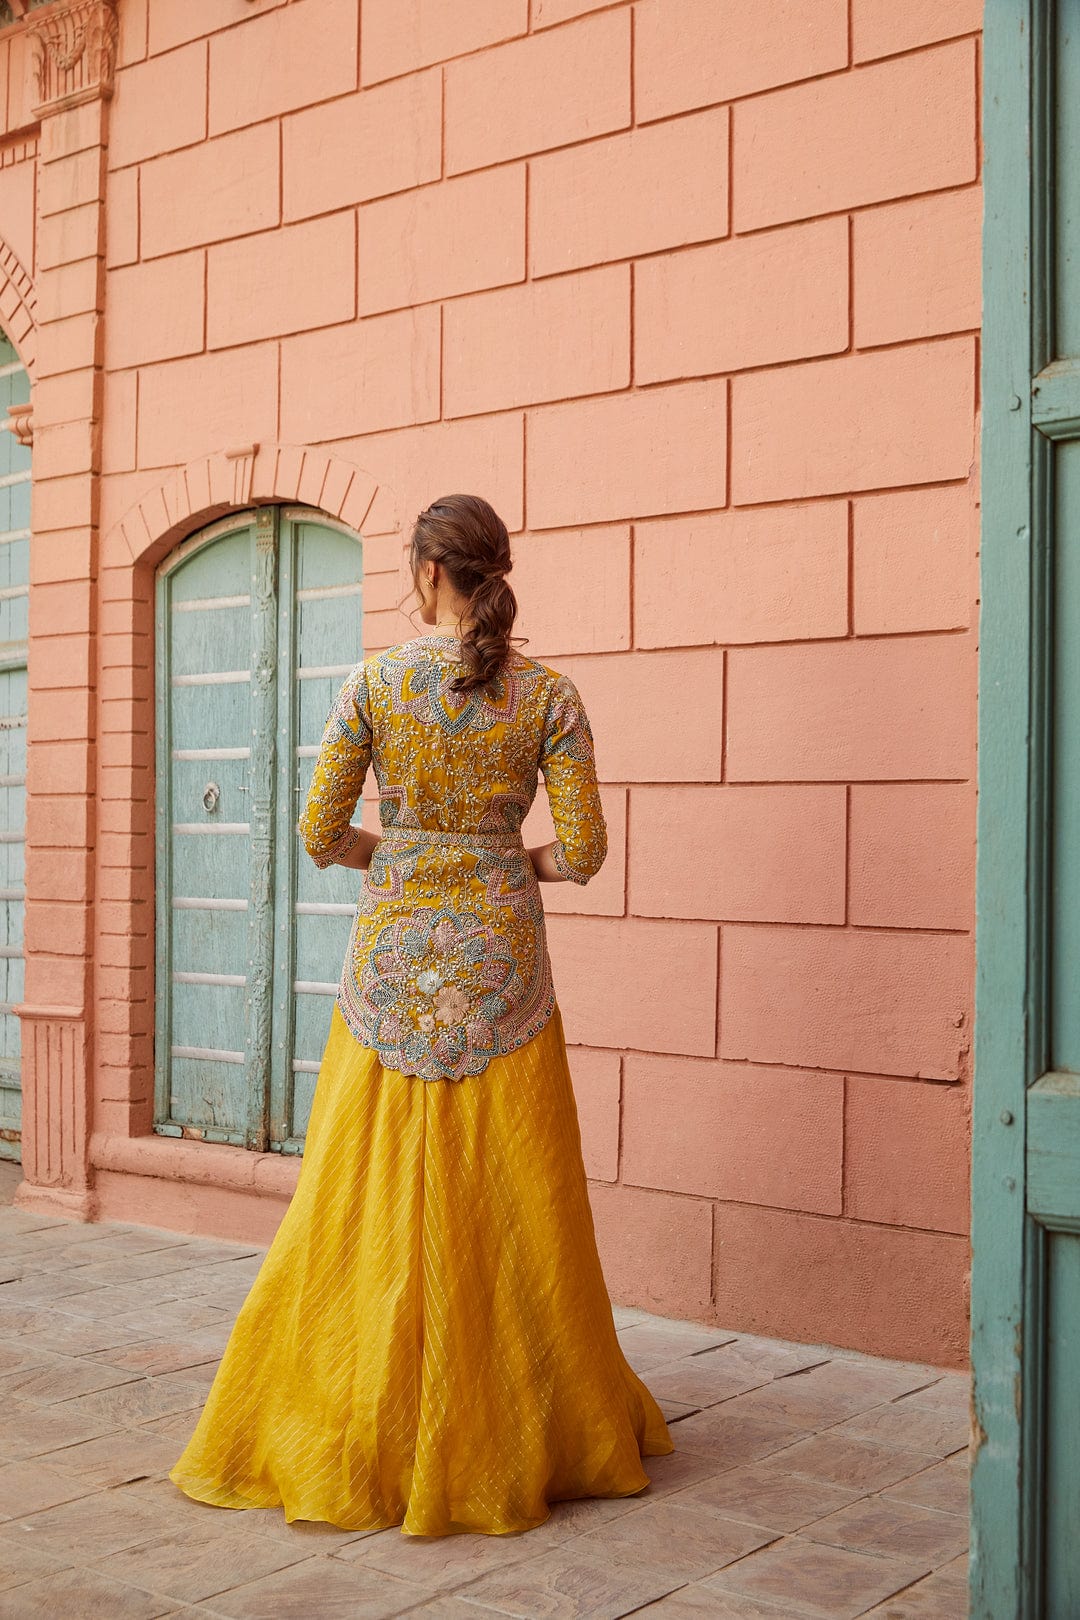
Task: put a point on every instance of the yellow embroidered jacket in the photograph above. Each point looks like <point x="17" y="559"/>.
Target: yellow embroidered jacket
<point x="448" y="963"/>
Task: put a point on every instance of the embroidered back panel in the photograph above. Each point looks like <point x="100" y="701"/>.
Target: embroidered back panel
<point x="448" y="965"/>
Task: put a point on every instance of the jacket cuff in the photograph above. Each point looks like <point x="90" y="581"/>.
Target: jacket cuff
<point x="342" y="846"/>
<point x="563" y="867"/>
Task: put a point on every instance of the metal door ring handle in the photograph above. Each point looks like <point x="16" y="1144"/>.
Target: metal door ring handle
<point x="211" y="795"/>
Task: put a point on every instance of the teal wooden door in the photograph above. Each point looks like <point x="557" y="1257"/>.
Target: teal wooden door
<point x="1026" y="1160"/>
<point x="14" y="593"/>
<point x="258" y="620"/>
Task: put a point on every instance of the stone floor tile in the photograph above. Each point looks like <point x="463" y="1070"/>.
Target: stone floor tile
<point x="92" y="1526"/>
<point x="956" y="1569"/>
<point x="151" y="1358"/>
<point x="80" y="1593"/>
<point x="189" y="1563"/>
<point x="900" y="1529"/>
<point x="138" y="1400"/>
<point x="109" y="1238"/>
<point x="130" y="1268"/>
<point x="181" y="1317"/>
<point x="14" y="1221"/>
<point x="445" y="1607"/>
<point x="827" y="1582"/>
<point x="951" y="1392"/>
<point x="175" y="1426"/>
<point x="944" y="1486"/>
<point x="27" y="1487"/>
<point x="569" y="1584"/>
<point x="439" y="1562"/>
<point x="729" y="1438"/>
<point x="672" y="1472"/>
<point x="677" y="1537"/>
<point x="673" y="1411"/>
<point x="647" y="1344"/>
<point x="571" y="1519"/>
<point x="828" y="1393"/>
<point x="18" y="1319"/>
<point x="934" y="1430"/>
<point x="180" y="1511"/>
<point x="689" y="1380"/>
<point x="66" y="1335"/>
<point x="929" y="1599"/>
<point x="864" y="1380"/>
<point x="118" y="1458"/>
<point x="784" y="1400"/>
<point x="781" y="1355"/>
<point x="310" y="1535"/>
<point x="60" y="1378"/>
<point x="31" y="1432"/>
<point x="769" y="1495"/>
<point x="847" y="1459"/>
<point x="21" y="1561"/>
<point x="149" y="1294"/>
<point x="689" y="1602"/>
<point x="624" y="1315"/>
<point x="323" y="1588"/>
<point x="61" y="1288"/>
<point x="18" y="1354"/>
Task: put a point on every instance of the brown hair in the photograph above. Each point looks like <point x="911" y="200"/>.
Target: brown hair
<point x="468" y="538"/>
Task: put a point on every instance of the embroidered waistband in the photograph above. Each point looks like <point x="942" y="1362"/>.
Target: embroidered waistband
<point x="470" y="840"/>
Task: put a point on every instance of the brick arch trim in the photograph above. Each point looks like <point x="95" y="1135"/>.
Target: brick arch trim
<point x="18" y="306"/>
<point x="204" y="490"/>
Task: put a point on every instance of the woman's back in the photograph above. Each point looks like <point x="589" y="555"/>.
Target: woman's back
<point x="430" y="1342"/>
<point x="448" y="963"/>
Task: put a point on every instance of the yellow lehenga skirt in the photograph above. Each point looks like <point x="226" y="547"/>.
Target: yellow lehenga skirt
<point x="429" y="1341"/>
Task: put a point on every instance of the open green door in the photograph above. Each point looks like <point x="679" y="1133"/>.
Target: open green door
<point x="258" y="621"/>
<point x="1026" y="1162"/>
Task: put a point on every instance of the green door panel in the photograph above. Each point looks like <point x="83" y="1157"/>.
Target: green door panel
<point x="1025" y="1560"/>
<point x="259" y="618"/>
<point x="320" y="617"/>
<point x="14" y="598"/>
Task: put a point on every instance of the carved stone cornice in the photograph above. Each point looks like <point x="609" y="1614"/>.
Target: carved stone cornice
<point x="73" y="54"/>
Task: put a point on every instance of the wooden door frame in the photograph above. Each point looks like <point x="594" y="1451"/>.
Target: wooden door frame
<point x="1011" y="1003"/>
<point x="272" y="815"/>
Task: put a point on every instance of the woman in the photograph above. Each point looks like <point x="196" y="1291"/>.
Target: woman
<point x="429" y="1341"/>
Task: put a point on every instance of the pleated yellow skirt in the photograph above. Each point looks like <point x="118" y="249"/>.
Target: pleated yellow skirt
<point x="429" y="1341"/>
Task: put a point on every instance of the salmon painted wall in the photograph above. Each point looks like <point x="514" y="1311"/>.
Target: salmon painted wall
<point x="689" y="289"/>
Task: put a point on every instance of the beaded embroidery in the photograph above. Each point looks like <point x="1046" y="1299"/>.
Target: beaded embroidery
<point x="448" y="962"/>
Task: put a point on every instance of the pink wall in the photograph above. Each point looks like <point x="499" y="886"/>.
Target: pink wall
<point x="689" y="289"/>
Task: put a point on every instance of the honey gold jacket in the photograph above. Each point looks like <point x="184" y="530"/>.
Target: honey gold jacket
<point x="447" y="964"/>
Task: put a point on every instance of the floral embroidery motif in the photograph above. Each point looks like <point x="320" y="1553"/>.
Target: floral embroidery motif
<point x="448" y="962"/>
<point x="420" y="682"/>
<point x="432" y="992"/>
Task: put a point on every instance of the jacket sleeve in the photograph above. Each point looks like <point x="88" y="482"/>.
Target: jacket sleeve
<point x="338" y="779"/>
<point x="568" y="765"/>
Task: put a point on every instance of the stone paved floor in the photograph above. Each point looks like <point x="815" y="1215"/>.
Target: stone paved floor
<point x="806" y="1482"/>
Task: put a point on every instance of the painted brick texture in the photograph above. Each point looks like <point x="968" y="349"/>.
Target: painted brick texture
<point x="689" y="289"/>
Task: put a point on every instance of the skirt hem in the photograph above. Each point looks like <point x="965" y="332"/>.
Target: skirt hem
<point x="214" y="1496"/>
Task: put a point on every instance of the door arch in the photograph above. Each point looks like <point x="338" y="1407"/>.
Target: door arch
<point x="258" y="621"/>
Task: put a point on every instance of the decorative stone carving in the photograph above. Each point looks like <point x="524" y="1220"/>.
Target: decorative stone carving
<point x="21" y="418"/>
<point x="73" y="51"/>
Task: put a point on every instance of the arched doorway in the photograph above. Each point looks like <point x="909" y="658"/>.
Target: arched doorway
<point x="258" y="621"/>
<point x="14" y="595"/>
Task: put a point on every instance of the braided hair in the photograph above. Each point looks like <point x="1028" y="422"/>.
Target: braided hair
<point x="467" y="537"/>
